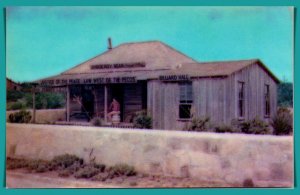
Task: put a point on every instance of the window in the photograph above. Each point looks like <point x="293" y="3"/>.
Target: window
<point x="267" y="100"/>
<point x="241" y="99"/>
<point x="186" y="100"/>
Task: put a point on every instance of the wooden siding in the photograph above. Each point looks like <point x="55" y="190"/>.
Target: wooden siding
<point x="255" y="79"/>
<point x="213" y="97"/>
<point x="162" y="104"/>
<point x="132" y="99"/>
<point x="210" y="98"/>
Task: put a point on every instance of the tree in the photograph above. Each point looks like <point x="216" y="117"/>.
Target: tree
<point x="285" y="94"/>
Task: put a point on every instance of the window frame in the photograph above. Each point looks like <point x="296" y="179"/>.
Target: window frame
<point x="267" y="101"/>
<point x="241" y="100"/>
<point x="188" y="98"/>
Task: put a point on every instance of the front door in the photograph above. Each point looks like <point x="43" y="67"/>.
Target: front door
<point x="87" y="102"/>
<point x="117" y="92"/>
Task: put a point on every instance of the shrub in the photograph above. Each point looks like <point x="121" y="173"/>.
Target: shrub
<point x="122" y="170"/>
<point x="14" y="95"/>
<point x="226" y="129"/>
<point x="15" y="105"/>
<point x="45" y="100"/>
<point x="199" y="124"/>
<point x="38" y="165"/>
<point x="97" y="121"/>
<point x="248" y="183"/>
<point x="285" y="94"/>
<point x="101" y="167"/>
<point x="87" y="172"/>
<point x="282" y="122"/>
<point x="65" y="160"/>
<point x="14" y="163"/>
<point x="22" y="116"/>
<point x="254" y="126"/>
<point x="142" y="120"/>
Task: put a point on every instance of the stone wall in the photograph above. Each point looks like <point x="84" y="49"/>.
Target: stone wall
<point x="230" y="158"/>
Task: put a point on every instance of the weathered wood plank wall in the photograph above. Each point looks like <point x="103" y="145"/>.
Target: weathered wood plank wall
<point x="255" y="79"/>
<point x="213" y="97"/>
<point x="132" y="100"/>
<point x="162" y="104"/>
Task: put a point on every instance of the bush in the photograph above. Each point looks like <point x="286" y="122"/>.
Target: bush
<point x="39" y="166"/>
<point x="285" y="94"/>
<point x="13" y="95"/>
<point x="226" y="129"/>
<point x="97" y="121"/>
<point x="199" y="124"/>
<point x="15" y="163"/>
<point x="282" y="122"/>
<point x="255" y="126"/>
<point x="45" y="100"/>
<point x="122" y="170"/>
<point x="248" y="183"/>
<point x="142" y="121"/>
<point x="65" y="160"/>
<point x="87" y="172"/>
<point x="15" y="105"/>
<point x="22" y="116"/>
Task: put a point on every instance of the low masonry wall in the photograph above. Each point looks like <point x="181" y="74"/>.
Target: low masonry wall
<point x="230" y="158"/>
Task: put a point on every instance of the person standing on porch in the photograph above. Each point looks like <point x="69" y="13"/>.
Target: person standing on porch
<point x="114" y="108"/>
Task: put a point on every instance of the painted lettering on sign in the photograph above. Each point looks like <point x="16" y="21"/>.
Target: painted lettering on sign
<point x="58" y="82"/>
<point x="174" y="78"/>
<point x="123" y="65"/>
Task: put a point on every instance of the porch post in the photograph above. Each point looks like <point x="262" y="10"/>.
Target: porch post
<point x="105" y="103"/>
<point x="68" y="103"/>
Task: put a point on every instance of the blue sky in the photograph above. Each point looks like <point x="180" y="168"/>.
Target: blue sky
<point x="44" y="41"/>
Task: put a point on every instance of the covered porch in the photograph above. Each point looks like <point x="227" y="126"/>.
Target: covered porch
<point x="87" y="101"/>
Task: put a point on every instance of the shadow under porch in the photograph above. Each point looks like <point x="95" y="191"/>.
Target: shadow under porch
<point x="85" y="102"/>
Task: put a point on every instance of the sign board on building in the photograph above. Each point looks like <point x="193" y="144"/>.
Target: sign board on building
<point x="123" y="65"/>
<point x="174" y="78"/>
<point x="58" y="82"/>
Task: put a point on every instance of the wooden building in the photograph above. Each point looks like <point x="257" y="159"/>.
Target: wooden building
<point x="12" y="85"/>
<point x="171" y="86"/>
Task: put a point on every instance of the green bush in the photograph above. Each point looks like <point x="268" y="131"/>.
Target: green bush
<point x="38" y="166"/>
<point x="15" y="105"/>
<point x="285" y="94"/>
<point x="65" y="160"/>
<point x="226" y="129"/>
<point x="87" y="172"/>
<point x="45" y="100"/>
<point x="282" y="122"/>
<point x="142" y="121"/>
<point x="22" y="116"/>
<point x="122" y="170"/>
<point x="199" y="124"/>
<point x="255" y="126"/>
<point x="13" y="95"/>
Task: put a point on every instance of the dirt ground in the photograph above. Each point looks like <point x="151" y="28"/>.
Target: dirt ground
<point x="22" y="178"/>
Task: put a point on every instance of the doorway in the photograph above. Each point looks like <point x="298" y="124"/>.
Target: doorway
<point x="87" y="102"/>
<point x="117" y="92"/>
